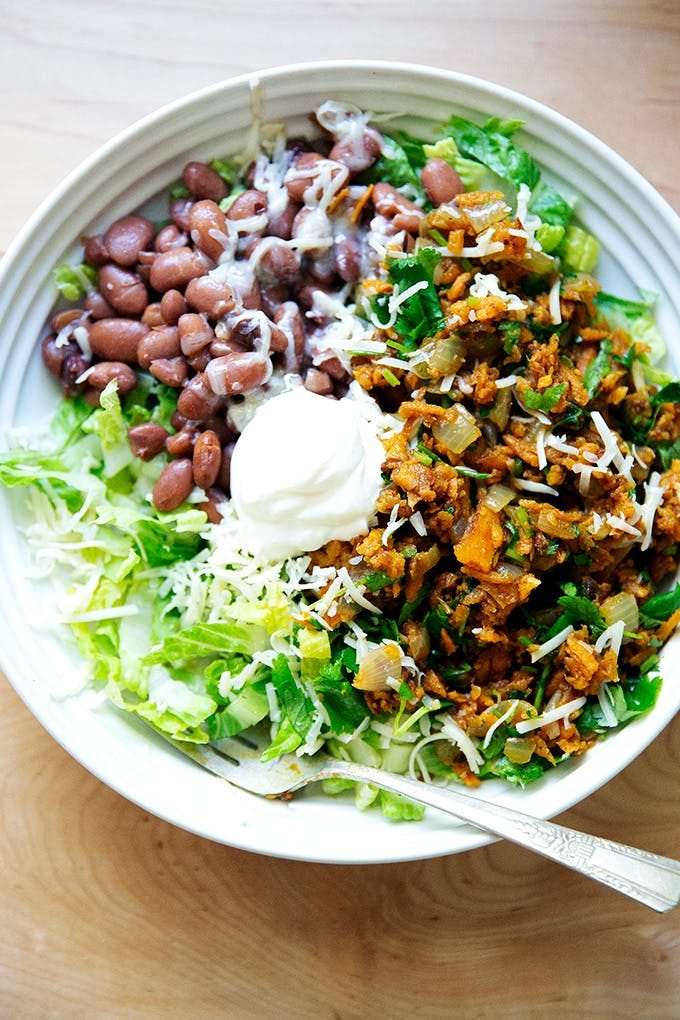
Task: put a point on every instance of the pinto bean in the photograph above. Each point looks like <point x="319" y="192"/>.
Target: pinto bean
<point x="204" y="182"/>
<point x="210" y="296"/>
<point x="105" y="371"/>
<point x="357" y="152"/>
<point x="170" y="371"/>
<point x="159" y="342"/>
<point x="147" y="439"/>
<point x="177" y="420"/>
<point x="194" y="333"/>
<point x="249" y="203"/>
<point x="207" y="459"/>
<point x="174" y="485"/>
<point x="306" y="170"/>
<point x="53" y="356"/>
<point x="272" y="297"/>
<point x="275" y="262"/>
<point x="206" y="220"/>
<point x="126" y="237"/>
<point x="281" y="224"/>
<point x="199" y="362"/>
<point x="347" y="258"/>
<point x="221" y="346"/>
<point x="151" y="316"/>
<point x="317" y="381"/>
<point x="173" y="306"/>
<point x="123" y="289"/>
<point x="251" y="331"/>
<point x="238" y="373"/>
<point x="179" y="212"/>
<point x="322" y="267"/>
<point x="172" y="270"/>
<point x="391" y="204"/>
<point x="62" y="319"/>
<point x="289" y="320"/>
<point x="211" y="506"/>
<point x="182" y="443"/>
<point x="117" y="339"/>
<point x="95" y="251"/>
<point x="198" y="401"/>
<point x="221" y="429"/>
<point x="75" y="363"/>
<point x="440" y="181"/>
<point x="171" y="237"/>
<point x="96" y="304"/>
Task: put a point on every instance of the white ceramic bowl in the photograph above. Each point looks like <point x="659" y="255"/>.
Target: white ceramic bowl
<point x="640" y="235"/>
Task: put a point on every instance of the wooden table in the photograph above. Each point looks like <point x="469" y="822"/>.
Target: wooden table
<point x="106" y="911"/>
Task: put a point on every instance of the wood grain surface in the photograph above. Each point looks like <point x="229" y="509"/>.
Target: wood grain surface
<point x="108" y="912"/>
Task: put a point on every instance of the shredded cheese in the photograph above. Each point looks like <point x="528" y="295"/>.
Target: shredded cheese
<point x="554" y="715"/>
<point x="604" y="697"/>
<point x="551" y="644"/>
<point x="453" y="732"/>
<point x="559" y="443"/>
<point x="611" y="638"/>
<point x="525" y="483"/>
<point x="393" y="524"/>
<point x="554" y="303"/>
<point x="418" y="523"/>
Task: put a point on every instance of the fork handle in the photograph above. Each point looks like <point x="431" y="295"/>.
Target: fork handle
<point x="646" y="877"/>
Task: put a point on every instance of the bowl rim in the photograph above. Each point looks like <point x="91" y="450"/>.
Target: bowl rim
<point x="563" y="125"/>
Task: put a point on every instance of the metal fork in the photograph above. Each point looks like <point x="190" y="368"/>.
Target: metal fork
<point x="645" y="877"/>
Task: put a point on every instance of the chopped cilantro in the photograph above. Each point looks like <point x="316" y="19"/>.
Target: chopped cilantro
<point x="546" y="400"/>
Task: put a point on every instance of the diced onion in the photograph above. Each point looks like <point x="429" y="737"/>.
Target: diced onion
<point x="621" y="607"/>
<point x="498" y="496"/>
<point x="378" y="667"/>
<point x="457" y="432"/>
<point x="518" y="750"/>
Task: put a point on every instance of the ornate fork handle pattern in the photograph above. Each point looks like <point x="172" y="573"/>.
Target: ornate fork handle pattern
<point x="646" y="877"/>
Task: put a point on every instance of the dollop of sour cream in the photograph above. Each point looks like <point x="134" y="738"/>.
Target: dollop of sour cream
<point x="305" y="470"/>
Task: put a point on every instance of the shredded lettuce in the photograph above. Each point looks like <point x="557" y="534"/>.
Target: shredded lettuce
<point x="636" y="318"/>
<point x="579" y="250"/>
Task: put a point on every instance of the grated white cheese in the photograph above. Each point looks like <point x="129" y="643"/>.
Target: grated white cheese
<point x="551" y="644"/>
<point x="355" y="592"/>
<point x="396" y="299"/>
<point x="484" y="245"/>
<point x="418" y="523"/>
<point x="596" y="523"/>
<point x="654" y="493"/>
<point x="506" y="717"/>
<point x="488" y="285"/>
<point x="611" y="638"/>
<point x="612" y="454"/>
<point x="560" y="444"/>
<point x="540" y="448"/>
<point x="604" y="697"/>
<point x="585" y="471"/>
<point x="393" y="524"/>
<point x="508" y="380"/>
<point x="554" y="303"/>
<point x="273" y="701"/>
<point x="621" y="524"/>
<point x="554" y="715"/>
<point x="453" y="732"/>
<point x="524" y="483"/>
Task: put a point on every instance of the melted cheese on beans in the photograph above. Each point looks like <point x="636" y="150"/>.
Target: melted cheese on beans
<point x="305" y="470"/>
